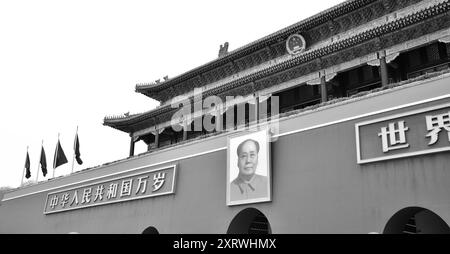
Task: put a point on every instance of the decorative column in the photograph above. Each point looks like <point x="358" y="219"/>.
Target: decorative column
<point x="256" y="110"/>
<point x="132" y="146"/>
<point x="184" y="131"/>
<point x="383" y="68"/>
<point x="382" y="60"/>
<point x="323" y="87"/>
<point x="157" y="138"/>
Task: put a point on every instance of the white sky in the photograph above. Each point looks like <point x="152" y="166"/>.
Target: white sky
<point x="69" y="63"/>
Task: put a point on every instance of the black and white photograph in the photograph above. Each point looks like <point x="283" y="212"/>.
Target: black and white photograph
<point x="224" y="118"/>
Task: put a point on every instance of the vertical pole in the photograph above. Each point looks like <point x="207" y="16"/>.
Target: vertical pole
<point x="323" y="88"/>
<point x="383" y="69"/>
<point x="131" y="146"/>
<point x="23" y="173"/>
<point x="74" y="142"/>
<point x="54" y="158"/>
<point x="37" y="173"/>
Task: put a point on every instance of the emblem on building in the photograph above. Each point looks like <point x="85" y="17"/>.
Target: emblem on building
<point x="295" y="44"/>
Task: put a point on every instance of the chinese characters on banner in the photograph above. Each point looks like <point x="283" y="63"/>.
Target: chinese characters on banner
<point x="437" y="123"/>
<point x="416" y="132"/>
<point x="135" y="186"/>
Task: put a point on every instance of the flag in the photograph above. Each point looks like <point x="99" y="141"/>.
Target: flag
<point x="27" y="166"/>
<point x="77" y="150"/>
<point x="43" y="162"/>
<point x="60" y="157"/>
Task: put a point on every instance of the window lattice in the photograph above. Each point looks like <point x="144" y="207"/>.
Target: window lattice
<point x="433" y="52"/>
<point x="367" y="73"/>
<point x="353" y="77"/>
<point x="448" y="49"/>
<point x="414" y="58"/>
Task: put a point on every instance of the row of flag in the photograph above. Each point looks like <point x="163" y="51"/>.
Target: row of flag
<point x="58" y="160"/>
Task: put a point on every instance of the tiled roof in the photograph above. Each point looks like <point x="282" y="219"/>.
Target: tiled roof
<point x="310" y="22"/>
<point x="398" y="24"/>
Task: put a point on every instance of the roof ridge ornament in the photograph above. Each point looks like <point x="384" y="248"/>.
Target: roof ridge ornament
<point x="223" y="51"/>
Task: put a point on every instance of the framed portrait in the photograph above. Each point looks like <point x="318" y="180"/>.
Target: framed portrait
<point x="248" y="168"/>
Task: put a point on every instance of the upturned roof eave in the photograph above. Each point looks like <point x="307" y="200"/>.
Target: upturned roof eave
<point x="151" y="94"/>
<point x="122" y="121"/>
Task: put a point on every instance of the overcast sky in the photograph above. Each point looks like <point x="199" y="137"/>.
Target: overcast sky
<point x="69" y="63"/>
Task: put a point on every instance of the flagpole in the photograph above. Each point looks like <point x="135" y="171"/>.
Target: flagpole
<point x="54" y="158"/>
<point x="37" y="175"/>
<point x="74" y="142"/>
<point x="24" y="168"/>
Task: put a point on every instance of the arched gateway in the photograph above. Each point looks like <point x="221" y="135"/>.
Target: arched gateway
<point x="249" y="221"/>
<point x="416" y="220"/>
<point x="150" y="231"/>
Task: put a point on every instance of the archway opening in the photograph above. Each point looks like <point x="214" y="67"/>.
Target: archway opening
<point x="249" y="221"/>
<point x="416" y="220"/>
<point x="150" y="231"/>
